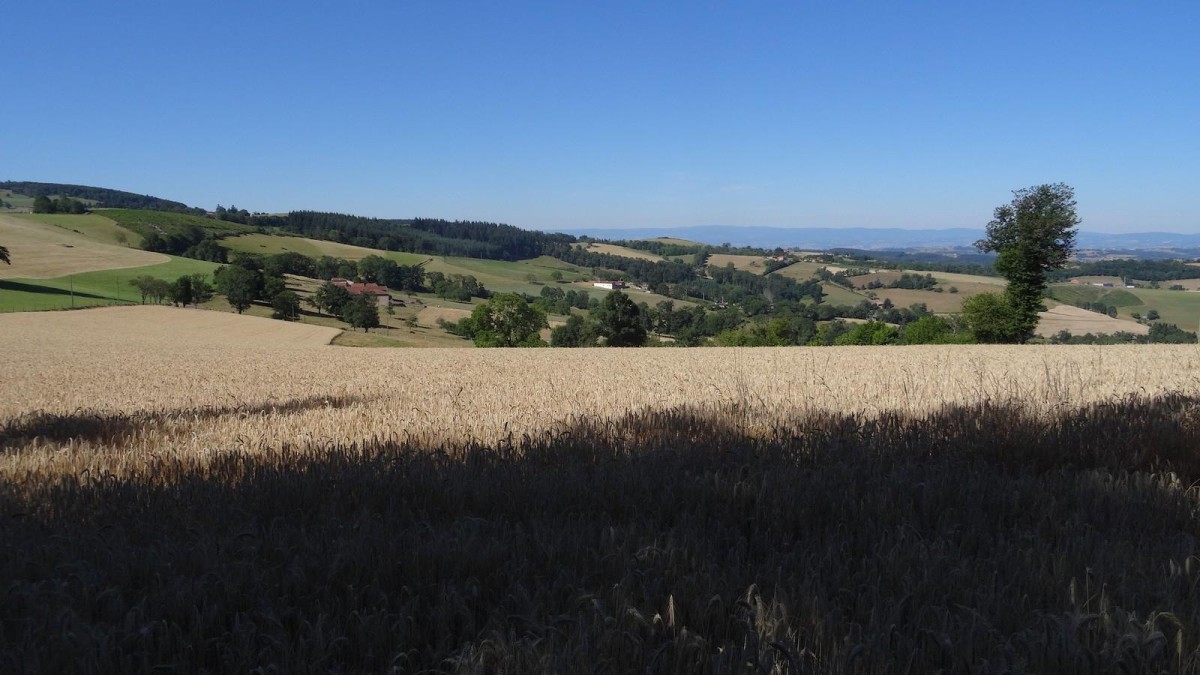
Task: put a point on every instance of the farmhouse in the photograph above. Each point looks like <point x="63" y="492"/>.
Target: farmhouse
<point x="610" y="285"/>
<point x="377" y="291"/>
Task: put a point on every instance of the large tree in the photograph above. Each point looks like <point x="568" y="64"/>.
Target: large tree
<point x="619" y="320"/>
<point x="506" y="320"/>
<point x="240" y="285"/>
<point x="330" y="298"/>
<point x="361" y="312"/>
<point x="576" y="332"/>
<point x="1032" y="234"/>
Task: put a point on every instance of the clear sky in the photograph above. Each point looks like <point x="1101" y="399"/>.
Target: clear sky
<point x="614" y="114"/>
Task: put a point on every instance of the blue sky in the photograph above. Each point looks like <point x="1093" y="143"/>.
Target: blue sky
<point x="615" y="114"/>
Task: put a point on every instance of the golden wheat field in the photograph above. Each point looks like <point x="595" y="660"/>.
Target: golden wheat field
<point x="169" y="362"/>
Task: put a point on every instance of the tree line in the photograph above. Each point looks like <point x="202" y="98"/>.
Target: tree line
<point x="510" y="320"/>
<point x="191" y="289"/>
<point x="102" y="197"/>
<point x="468" y="239"/>
<point x="44" y="204"/>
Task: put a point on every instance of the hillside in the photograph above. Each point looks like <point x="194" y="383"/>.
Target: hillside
<point x="96" y="196"/>
<point x="90" y="259"/>
<point x="41" y="251"/>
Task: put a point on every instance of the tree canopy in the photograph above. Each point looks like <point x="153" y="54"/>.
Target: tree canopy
<point x="361" y="312"/>
<point x="618" y="319"/>
<point x="1031" y="235"/>
<point x="240" y="285"/>
<point x="506" y="320"/>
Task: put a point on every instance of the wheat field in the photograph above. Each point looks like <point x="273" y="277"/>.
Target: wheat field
<point x="199" y="492"/>
<point x="167" y="362"/>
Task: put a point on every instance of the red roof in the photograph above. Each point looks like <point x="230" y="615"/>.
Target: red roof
<point x="370" y="289"/>
<point x="358" y="287"/>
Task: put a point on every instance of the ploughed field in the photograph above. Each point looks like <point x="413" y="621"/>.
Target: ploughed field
<point x="180" y="494"/>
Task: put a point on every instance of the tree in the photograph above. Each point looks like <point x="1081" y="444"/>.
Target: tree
<point x="331" y="298"/>
<point x="286" y="305"/>
<point x="992" y="318"/>
<point x="4" y="255"/>
<point x="618" y="319"/>
<point x="361" y="312"/>
<point x="1032" y="234"/>
<point x="202" y="291"/>
<point x="506" y="320"/>
<point x="181" y="291"/>
<point x="42" y="204"/>
<point x="1152" y="315"/>
<point x="574" y="333"/>
<point x="144" y="284"/>
<point x="932" y="329"/>
<point x="240" y="285"/>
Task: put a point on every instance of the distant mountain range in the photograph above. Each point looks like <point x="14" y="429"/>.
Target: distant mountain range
<point x="872" y="238"/>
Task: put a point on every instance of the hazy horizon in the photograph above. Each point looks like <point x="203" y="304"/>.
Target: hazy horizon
<point x="547" y="116"/>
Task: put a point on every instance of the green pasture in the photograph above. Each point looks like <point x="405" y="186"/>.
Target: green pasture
<point x="1181" y="308"/>
<point x="91" y="289"/>
<point x="18" y="201"/>
<point x="145" y="222"/>
<point x="836" y="295"/>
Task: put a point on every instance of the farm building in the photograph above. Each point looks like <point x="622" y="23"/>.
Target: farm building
<point x="610" y="285"/>
<point x="377" y="291"/>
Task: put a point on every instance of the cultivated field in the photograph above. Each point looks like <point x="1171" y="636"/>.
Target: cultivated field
<point x="940" y="303"/>
<point x="623" y="251"/>
<point x="41" y="251"/>
<point x="1081" y="321"/>
<point x="90" y="225"/>
<point x="748" y="263"/>
<point x="187" y="496"/>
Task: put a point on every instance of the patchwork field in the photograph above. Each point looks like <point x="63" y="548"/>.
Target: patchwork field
<point x="237" y="495"/>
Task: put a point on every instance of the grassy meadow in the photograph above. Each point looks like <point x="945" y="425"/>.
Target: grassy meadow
<point x="91" y="289"/>
<point x="243" y="496"/>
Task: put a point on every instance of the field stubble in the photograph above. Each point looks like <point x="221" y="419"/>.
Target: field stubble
<point x="974" y="509"/>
